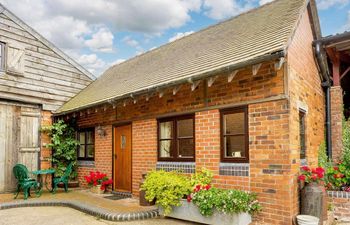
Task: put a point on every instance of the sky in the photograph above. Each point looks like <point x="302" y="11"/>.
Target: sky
<point x="101" y="33"/>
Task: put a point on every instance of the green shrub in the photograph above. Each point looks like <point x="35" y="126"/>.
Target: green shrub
<point x="64" y="146"/>
<point x="202" y="177"/>
<point x="225" y="201"/>
<point x="167" y="188"/>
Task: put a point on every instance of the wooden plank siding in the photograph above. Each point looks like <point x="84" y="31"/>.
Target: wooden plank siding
<point x="19" y="140"/>
<point x="35" y="73"/>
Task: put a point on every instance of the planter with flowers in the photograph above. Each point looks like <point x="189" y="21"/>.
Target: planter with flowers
<point x="313" y="194"/>
<point x="98" y="182"/>
<point x="194" y="199"/>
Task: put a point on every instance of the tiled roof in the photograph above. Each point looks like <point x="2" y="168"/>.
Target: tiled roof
<point x="261" y="31"/>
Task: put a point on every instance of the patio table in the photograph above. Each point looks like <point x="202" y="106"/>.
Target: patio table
<point x="40" y="174"/>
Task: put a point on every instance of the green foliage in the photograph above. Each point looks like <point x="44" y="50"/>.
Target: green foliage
<point x="167" y="188"/>
<point x="323" y="160"/>
<point x="202" y="177"/>
<point x="225" y="201"/>
<point x="346" y="142"/>
<point x="64" y="146"/>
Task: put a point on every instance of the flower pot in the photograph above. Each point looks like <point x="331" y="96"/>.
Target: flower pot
<point x="97" y="189"/>
<point x="312" y="200"/>
<point x="307" y="220"/>
<point x="189" y="211"/>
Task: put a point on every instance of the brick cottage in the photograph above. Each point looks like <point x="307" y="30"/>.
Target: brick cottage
<point x="243" y="98"/>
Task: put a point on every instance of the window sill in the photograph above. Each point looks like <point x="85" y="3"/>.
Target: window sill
<point x="234" y="169"/>
<point x="185" y="167"/>
<point x="86" y="163"/>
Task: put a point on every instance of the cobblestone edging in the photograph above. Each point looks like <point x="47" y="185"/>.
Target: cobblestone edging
<point x="338" y="194"/>
<point x="88" y="209"/>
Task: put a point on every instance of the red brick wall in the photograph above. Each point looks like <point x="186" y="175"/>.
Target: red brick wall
<point x="341" y="206"/>
<point x="46" y="120"/>
<point x="144" y="150"/>
<point x="336" y="121"/>
<point x="305" y="93"/>
<point x="103" y="156"/>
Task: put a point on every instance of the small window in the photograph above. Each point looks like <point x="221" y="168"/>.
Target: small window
<point x="86" y="149"/>
<point x="302" y="134"/>
<point x="2" y="56"/>
<point x="176" y="139"/>
<point x="234" y="135"/>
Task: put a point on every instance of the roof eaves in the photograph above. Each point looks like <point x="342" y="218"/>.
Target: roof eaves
<point x="235" y="66"/>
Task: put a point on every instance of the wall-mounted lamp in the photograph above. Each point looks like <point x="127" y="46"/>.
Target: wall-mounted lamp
<point x="100" y="131"/>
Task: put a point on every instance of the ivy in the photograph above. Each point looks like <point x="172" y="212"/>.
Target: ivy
<point x="64" y="145"/>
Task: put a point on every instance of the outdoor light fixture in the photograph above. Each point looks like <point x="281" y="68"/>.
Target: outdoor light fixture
<point x="100" y="131"/>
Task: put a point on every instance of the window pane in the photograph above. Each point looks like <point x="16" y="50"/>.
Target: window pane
<point x="186" y="148"/>
<point x="90" y="137"/>
<point x="81" y="152"/>
<point x="82" y="137"/>
<point x="234" y="123"/>
<point x="185" y="128"/>
<point x="302" y="135"/>
<point x="165" y="130"/>
<point x="234" y="146"/>
<point x="165" y="148"/>
<point x="90" y="151"/>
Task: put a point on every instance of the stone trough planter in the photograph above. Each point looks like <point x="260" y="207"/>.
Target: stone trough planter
<point x="189" y="211"/>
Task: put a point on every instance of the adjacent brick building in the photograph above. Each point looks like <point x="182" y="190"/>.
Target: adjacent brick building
<point x="242" y="98"/>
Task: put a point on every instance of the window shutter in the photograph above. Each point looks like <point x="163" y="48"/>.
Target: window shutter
<point x="15" y="59"/>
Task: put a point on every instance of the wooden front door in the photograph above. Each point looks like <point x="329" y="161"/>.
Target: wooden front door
<point x="122" y="158"/>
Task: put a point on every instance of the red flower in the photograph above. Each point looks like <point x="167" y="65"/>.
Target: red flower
<point x="302" y="177"/>
<point x="336" y="168"/>
<point x="197" y="188"/>
<point x="189" y="198"/>
<point x="207" y="187"/>
<point x="305" y="168"/>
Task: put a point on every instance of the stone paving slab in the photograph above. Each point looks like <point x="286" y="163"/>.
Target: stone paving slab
<point x="112" y="210"/>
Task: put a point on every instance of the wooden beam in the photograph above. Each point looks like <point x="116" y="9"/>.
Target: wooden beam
<point x="334" y="57"/>
<point x="211" y="80"/>
<point x="345" y="72"/>
<point x="232" y="75"/>
<point x="176" y="89"/>
<point x="255" y="69"/>
<point x="279" y="64"/>
<point x="194" y="84"/>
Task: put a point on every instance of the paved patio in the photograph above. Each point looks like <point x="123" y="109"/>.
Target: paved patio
<point x="68" y="216"/>
<point x="86" y="202"/>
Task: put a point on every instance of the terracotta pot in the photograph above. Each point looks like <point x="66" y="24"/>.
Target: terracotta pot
<point x="97" y="189"/>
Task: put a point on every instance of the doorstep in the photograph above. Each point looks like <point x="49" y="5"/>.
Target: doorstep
<point x="95" y="205"/>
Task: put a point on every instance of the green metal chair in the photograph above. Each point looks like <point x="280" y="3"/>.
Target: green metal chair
<point x="24" y="182"/>
<point x="64" y="179"/>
